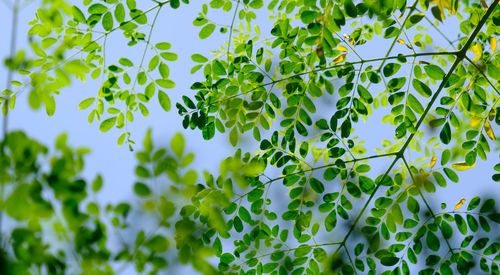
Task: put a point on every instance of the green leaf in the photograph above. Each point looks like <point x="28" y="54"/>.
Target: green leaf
<point x="119" y="13"/>
<point x="389" y="260"/>
<point x="84" y="104"/>
<point x="199" y="58"/>
<point x="142" y="189"/>
<point x="208" y="131"/>
<point x="50" y="105"/>
<point x="107" y="124"/>
<point x="218" y="68"/>
<point x="107" y="21"/>
<point x="445" y="134"/>
<point x="488" y="205"/>
<point x="434" y="72"/>
<point x="78" y="15"/>
<point x="177" y="144"/>
<point x="158" y="244"/>
<point x="244" y="215"/>
<point x="413" y="20"/>
<point x="432" y="241"/>
<point x="421" y="88"/>
<point x="331" y="221"/>
<point x="350" y="9"/>
<point x="256" y="4"/>
<point x="206" y="31"/>
<point x="174" y="4"/>
<point x="233" y="136"/>
<point x="415" y="104"/>
<point x="451" y="174"/>
<point x="169" y="56"/>
<point x="164" y="100"/>
<point x="308" y="17"/>
<point x="390" y="69"/>
<point x="97" y="9"/>
<point x="365" y="94"/>
<point x="317" y="185"/>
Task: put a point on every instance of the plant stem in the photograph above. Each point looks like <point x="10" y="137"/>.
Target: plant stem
<point x="10" y="75"/>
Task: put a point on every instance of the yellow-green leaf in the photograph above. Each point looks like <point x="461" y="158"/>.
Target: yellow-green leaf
<point x="462" y="166"/>
<point x="489" y="130"/>
<point x="459" y="204"/>
<point x="339" y="59"/>
<point x="433" y="161"/>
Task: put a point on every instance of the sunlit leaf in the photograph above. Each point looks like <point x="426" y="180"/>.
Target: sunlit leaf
<point x="433" y="161"/>
<point x="489" y="130"/>
<point x="339" y="58"/>
<point x="459" y="204"/>
<point x="462" y="166"/>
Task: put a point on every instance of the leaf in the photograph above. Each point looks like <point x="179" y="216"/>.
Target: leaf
<point x="317" y="185"/>
<point x="389" y="260"/>
<point x="107" y="124"/>
<point x="164" y="100"/>
<point x="119" y="13"/>
<point x="477" y="49"/>
<point x="308" y="16"/>
<point x="86" y="103"/>
<point x="413" y="20"/>
<point x="342" y="48"/>
<point x="331" y="221"/>
<point x="459" y="204"/>
<point x="350" y="8"/>
<point x="50" y="104"/>
<point x="489" y="130"/>
<point x="142" y="189"/>
<point x="434" y="72"/>
<point x="421" y="88"/>
<point x="445" y="134"/>
<point x="208" y="131"/>
<point x="432" y="241"/>
<point x="206" y="31"/>
<point x="244" y="215"/>
<point x="177" y="144"/>
<point x="493" y="43"/>
<point x="175" y="4"/>
<point x="433" y="161"/>
<point x="107" y="21"/>
<point x="157" y="244"/>
<point x="78" y="15"/>
<point x="339" y="59"/>
<point x="415" y="104"/>
<point x="199" y="58"/>
<point x="233" y="136"/>
<point x="462" y="166"/>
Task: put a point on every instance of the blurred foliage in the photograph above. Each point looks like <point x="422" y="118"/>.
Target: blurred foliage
<point x="309" y="199"/>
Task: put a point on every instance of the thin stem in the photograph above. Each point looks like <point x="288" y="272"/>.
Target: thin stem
<point x="231" y="29"/>
<point x="10" y="75"/>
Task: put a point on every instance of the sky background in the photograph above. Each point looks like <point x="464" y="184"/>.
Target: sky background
<point x="117" y="164"/>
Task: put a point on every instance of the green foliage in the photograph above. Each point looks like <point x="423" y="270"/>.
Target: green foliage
<point x="303" y="90"/>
